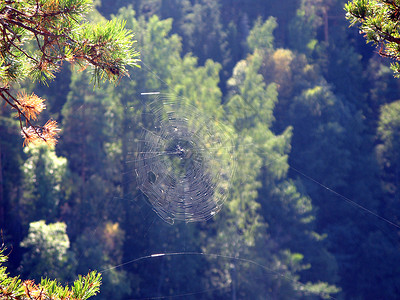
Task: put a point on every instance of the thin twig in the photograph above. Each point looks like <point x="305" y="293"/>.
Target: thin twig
<point x="26" y="54"/>
<point x="20" y="113"/>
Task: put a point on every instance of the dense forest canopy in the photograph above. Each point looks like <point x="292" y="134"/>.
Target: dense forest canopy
<point x="310" y="118"/>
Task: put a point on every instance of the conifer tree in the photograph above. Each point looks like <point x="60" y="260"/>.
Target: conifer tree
<point x="37" y="36"/>
<point x="44" y="185"/>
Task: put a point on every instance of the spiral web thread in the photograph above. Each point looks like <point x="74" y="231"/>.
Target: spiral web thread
<point x="184" y="161"/>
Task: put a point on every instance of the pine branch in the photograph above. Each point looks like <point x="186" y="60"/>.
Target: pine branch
<point x="379" y="21"/>
<point x="56" y="30"/>
<point x="13" y="288"/>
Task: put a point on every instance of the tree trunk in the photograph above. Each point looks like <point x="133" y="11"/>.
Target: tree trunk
<point x="234" y="281"/>
<point x="326" y="26"/>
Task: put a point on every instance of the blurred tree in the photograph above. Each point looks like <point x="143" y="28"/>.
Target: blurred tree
<point x="90" y="144"/>
<point x="342" y="67"/>
<point x="327" y="131"/>
<point x="164" y="71"/>
<point x="101" y="249"/>
<point x="268" y="211"/>
<point x="388" y="156"/>
<point x="261" y="36"/>
<point x="89" y="125"/>
<point x="304" y="28"/>
<point x="11" y="179"/>
<point x="160" y="49"/>
<point x="290" y="215"/>
<point x="328" y="126"/>
<point x="44" y="187"/>
<point x="48" y="252"/>
<point x="248" y="11"/>
<point x="197" y="85"/>
<point x="37" y="36"/>
<point x="200" y="26"/>
<point x="383" y="88"/>
<point x="160" y="52"/>
<point x="380" y="252"/>
<point x="202" y="31"/>
<point x="320" y="32"/>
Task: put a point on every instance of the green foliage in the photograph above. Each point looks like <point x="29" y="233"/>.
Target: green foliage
<point x="101" y="249"/>
<point x="311" y="112"/>
<point x="48" y="252"/>
<point x="11" y="156"/>
<point x="389" y="125"/>
<point x="378" y="252"/>
<point x="13" y="288"/>
<point x="61" y="36"/>
<point x="89" y="143"/>
<point x="201" y="29"/>
<point x="261" y="35"/>
<point x="388" y="154"/>
<point x="198" y="84"/>
<point x="86" y="287"/>
<point x="159" y="51"/>
<point x="44" y="184"/>
<point x="379" y="21"/>
<point x="115" y="46"/>
<point x="38" y="36"/>
<point x="304" y="27"/>
<point x="10" y="286"/>
<point x="264" y="207"/>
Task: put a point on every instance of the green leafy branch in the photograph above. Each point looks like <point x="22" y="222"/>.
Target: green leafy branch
<point x="13" y="288"/>
<point x="36" y="36"/>
<point x="379" y="21"/>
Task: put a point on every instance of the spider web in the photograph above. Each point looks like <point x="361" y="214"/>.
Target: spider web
<point x="184" y="161"/>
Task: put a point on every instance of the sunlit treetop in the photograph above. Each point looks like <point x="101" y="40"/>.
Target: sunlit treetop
<point x="38" y="35"/>
<point x="379" y="21"/>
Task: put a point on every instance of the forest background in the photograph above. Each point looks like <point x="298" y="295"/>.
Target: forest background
<point x="316" y="122"/>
